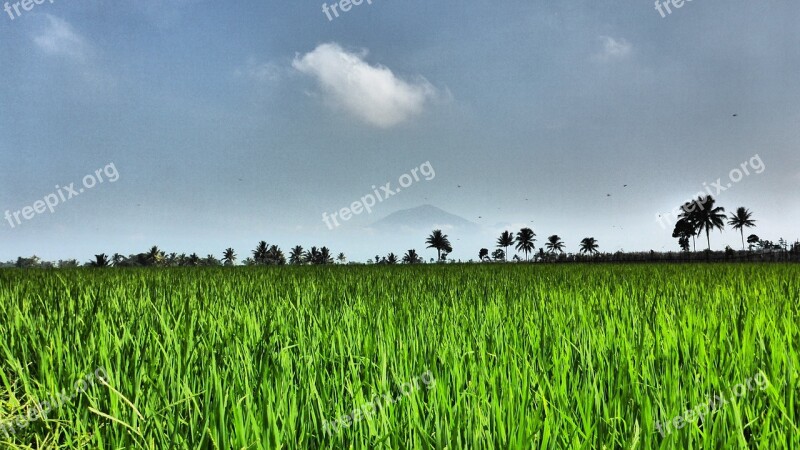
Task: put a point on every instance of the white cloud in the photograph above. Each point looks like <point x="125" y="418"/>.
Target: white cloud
<point x="371" y="93"/>
<point x="260" y="72"/>
<point x="60" y="39"/>
<point x="613" y="49"/>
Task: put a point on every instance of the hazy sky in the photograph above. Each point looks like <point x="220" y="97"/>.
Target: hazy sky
<point x="233" y="122"/>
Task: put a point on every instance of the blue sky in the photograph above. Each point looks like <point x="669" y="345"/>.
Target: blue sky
<point x="233" y="123"/>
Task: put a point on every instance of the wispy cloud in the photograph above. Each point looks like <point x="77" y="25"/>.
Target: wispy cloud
<point x="58" y="38"/>
<point x="260" y="72"/>
<point x="371" y="93"/>
<point x="613" y="49"/>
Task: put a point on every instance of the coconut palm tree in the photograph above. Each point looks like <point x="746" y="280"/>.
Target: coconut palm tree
<point x="296" y="256"/>
<point x="589" y="245"/>
<point x="440" y="242"/>
<point x="742" y="219"/>
<point x="707" y="217"/>
<point x="525" y="240"/>
<point x="341" y="258"/>
<point x="505" y="240"/>
<point x="411" y="257"/>
<point x="154" y="256"/>
<point x="391" y="258"/>
<point x="100" y="260"/>
<point x="260" y="252"/>
<point x="229" y="257"/>
<point x="325" y="256"/>
<point x="554" y="244"/>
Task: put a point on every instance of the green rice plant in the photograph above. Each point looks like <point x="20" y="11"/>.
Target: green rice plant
<point x="523" y="356"/>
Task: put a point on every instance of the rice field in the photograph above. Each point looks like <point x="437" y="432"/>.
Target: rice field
<point x="423" y="357"/>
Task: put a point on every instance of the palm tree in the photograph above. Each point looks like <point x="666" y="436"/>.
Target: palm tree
<point x="411" y="257"/>
<point x="554" y="244"/>
<point x="341" y="258"/>
<point x="117" y="259"/>
<point x="391" y="258"/>
<point x="505" y="240"/>
<point x="155" y="256"/>
<point x="100" y="260"/>
<point x="325" y="256"/>
<point x="525" y="240"/>
<point x="589" y="245"/>
<point x="229" y="257"/>
<point x="296" y="256"/>
<point x="741" y="220"/>
<point x="708" y="217"/>
<point x="193" y="260"/>
<point x="439" y="241"/>
<point x="260" y="252"/>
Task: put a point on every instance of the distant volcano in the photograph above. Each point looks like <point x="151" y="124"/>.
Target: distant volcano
<point x="424" y="218"/>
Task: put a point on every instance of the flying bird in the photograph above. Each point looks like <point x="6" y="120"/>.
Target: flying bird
<point x="735" y="115"/>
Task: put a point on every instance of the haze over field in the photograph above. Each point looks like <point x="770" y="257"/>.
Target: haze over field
<point x="236" y="123"/>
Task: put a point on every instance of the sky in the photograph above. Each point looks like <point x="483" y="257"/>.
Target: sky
<point x="223" y="124"/>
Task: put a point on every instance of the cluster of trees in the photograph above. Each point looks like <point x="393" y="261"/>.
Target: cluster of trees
<point x="702" y="216"/>
<point x="697" y="217"/>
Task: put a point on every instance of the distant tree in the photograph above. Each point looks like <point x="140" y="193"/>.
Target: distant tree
<point x="753" y="240"/>
<point x="260" y="252"/>
<point x="707" y="217"/>
<point x="117" y="259"/>
<point x="211" y="261"/>
<point x="154" y="257"/>
<point x="229" y="257"/>
<point x="325" y="256"/>
<point x="440" y="242"/>
<point x="391" y="258"/>
<point x="689" y="216"/>
<point x="100" y="261"/>
<point x="341" y="258"/>
<point x="296" y="256"/>
<point x="411" y="257"/>
<point x="740" y="220"/>
<point x="68" y="264"/>
<point x="554" y="244"/>
<point x="483" y="254"/>
<point x="589" y="245"/>
<point x="684" y="229"/>
<point x="193" y="260"/>
<point x="505" y="240"/>
<point x="683" y="241"/>
<point x="525" y="241"/>
<point x="499" y="255"/>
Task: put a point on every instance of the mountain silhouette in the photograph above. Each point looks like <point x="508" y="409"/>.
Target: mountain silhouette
<point x="424" y="218"/>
